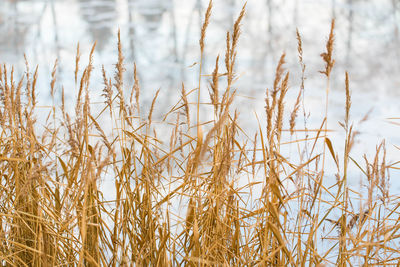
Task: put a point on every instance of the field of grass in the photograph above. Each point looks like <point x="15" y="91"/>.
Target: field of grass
<point x="210" y="196"/>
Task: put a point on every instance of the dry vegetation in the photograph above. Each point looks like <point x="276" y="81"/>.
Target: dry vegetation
<point x="211" y="197"/>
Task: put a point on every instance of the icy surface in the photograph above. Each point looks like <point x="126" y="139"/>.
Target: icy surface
<point x="161" y="36"/>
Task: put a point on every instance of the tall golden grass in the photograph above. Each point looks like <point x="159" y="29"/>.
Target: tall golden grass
<point x="186" y="202"/>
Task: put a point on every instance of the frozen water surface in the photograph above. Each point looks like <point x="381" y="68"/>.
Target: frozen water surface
<point x="161" y="37"/>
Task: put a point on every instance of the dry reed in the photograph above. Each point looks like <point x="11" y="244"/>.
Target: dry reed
<point x="185" y="203"/>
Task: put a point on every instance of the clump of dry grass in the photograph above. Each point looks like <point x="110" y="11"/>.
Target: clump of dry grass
<point x="185" y="203"/>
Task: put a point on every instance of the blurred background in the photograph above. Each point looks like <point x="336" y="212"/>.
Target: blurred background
<point x="161" y="37"/>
